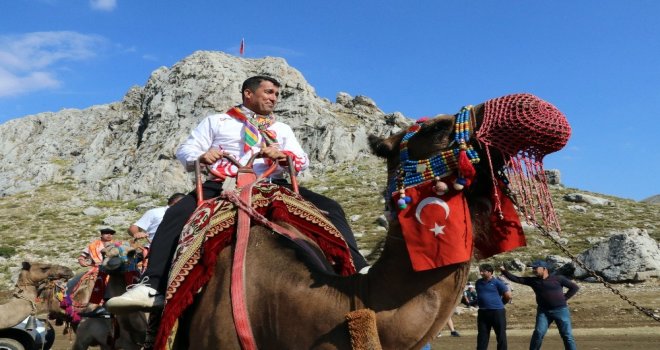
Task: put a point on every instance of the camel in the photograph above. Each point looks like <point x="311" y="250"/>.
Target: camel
<point x="293" y="305"/>
<point x="24" y="301"/>
<point x="131" y="327"/>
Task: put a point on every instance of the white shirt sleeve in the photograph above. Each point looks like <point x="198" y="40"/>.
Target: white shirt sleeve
<point x="226" y="133"/>
<point x="198" y="142"/>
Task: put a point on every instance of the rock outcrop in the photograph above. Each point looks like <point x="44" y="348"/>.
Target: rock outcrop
<point x="630" y="255"/>
<point x="126" y="149"/>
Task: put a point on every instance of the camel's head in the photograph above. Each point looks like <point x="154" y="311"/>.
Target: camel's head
<point x="35" y="273"/>
<point x="493" y="153"/>
<point x="120" y="256"/>
<point x="431" y="138"/>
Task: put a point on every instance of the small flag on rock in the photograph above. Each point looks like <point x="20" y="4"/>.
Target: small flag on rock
<point x="241" y="50"/>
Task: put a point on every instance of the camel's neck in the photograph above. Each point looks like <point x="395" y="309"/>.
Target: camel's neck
<point x="20" y="306"/>
<point x="394" y="271"/>
<point x="401" y="296"/>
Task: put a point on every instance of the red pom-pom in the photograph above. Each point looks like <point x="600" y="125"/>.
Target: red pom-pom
<point x="465" y="167"/>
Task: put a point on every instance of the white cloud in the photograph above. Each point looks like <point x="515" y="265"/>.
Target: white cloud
<point x="28" y="61"/>
<point x="103" y="5"/>
<point x="12" y="84"/>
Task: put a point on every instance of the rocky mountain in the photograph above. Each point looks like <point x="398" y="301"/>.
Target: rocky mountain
<point x="126" y="149"/>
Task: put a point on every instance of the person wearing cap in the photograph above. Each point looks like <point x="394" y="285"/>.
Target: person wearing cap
<point x="147" y="225"/>
<point x="469" y="296"/>
<point x="92" y="257"/>
<point x="492" y="294"/>
<point x="551" y="302"/>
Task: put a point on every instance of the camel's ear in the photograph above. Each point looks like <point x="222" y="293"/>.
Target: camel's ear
<point x="381" y="147"/>
<point x="26" y="265"/>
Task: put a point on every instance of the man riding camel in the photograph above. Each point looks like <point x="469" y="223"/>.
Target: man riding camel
<point x="92" y="257"/>
<point x="242" y="131"/>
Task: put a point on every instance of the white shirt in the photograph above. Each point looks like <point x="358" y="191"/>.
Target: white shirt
<point x="150" y="220"/>
<point x="224" y="132"/>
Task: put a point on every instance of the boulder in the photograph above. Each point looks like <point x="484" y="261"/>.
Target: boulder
<point x="585" y="198"/>
<point x="553" y="176"/>
<point x="630" y="255"/>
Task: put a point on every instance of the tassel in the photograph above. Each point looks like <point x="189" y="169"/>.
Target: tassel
<point x="465" y="167"/>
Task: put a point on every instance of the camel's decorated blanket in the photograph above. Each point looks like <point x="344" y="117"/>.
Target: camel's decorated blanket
<point x="212" y="228"/>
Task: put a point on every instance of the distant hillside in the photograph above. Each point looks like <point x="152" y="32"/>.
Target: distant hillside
<point x="652" y="200"/>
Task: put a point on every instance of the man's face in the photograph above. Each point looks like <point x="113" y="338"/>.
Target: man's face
<point x="485" y="274"/>
<point x="106" y="237"/>
<point x="538" y="271"/>
<point x="263" y="100"/>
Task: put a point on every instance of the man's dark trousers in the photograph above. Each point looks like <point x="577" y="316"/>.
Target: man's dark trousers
<point x="487" y="319"/>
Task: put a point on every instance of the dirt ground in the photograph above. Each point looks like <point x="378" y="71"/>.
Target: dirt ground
<point x="601" y="321"/>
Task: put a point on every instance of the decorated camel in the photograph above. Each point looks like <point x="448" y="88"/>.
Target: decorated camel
<point x="436" y="167"/>
<point x="25" y="301"/>
<point x="126" y="331"/>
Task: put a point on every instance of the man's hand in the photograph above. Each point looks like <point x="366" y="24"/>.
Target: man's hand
<point x="273" y="152"/>
<point x="84" y="262"/>
<point x="140" y="235"/>
<point x="136" y="232"/>
<point x="211" y="156"/>
<point x="502" y="268"/>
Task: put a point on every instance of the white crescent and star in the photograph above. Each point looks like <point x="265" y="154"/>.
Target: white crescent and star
<point x="437" y="229"/>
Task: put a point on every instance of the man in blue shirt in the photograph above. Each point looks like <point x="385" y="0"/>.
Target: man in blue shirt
<point x="551" y="303"/>
<point x="492" y="294"/>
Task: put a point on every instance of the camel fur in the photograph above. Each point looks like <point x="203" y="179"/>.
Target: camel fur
<point x="24" y="299"/>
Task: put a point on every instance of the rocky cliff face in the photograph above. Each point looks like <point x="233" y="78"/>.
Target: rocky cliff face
<point x="126" y="149"/>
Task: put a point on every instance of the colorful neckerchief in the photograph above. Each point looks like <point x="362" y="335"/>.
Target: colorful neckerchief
<point x="250" y="131"/>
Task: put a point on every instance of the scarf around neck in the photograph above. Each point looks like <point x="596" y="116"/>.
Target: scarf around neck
<point x="253" y="124"/>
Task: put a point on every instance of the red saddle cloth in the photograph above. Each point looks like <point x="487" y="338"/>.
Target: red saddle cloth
<point x="212" y="227"/>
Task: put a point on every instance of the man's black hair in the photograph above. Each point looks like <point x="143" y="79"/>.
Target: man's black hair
<point x="174" y="197"/>
<point x="486" y="267"/>
<point x="253" y="83"/>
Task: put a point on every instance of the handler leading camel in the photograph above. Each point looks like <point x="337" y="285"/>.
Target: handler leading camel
<point x="242" y="131"/>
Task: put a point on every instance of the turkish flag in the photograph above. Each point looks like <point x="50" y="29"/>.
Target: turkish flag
<point x="437" y="229"/>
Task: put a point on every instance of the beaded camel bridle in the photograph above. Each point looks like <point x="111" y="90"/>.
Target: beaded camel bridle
<point x="522" y="128"/>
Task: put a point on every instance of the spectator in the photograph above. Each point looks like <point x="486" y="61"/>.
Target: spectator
<point x="492" y="294"/>
<point x="469" y="296"/>
<point x="452" y="330"/>
<point x="551" y="303"/>
<point x="146" y="226"/>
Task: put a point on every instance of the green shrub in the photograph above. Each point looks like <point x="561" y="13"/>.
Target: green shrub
<point x="7" y="252"/>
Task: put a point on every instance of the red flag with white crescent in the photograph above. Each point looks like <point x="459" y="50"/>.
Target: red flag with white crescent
<point x="241" y="49"/>
<point x="437" y="229"/>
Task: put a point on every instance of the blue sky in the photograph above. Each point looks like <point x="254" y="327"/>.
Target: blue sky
<point x="596" y="60"/>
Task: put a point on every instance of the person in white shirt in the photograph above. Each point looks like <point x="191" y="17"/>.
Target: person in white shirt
<point x="242" y="131"/>
<point x="147" y="225"/>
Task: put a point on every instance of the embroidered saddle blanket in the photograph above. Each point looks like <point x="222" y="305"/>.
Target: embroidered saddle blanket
<point x="212" y="227"/>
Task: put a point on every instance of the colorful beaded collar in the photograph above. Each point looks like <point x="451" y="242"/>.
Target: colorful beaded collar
<point x="414" y="172"/>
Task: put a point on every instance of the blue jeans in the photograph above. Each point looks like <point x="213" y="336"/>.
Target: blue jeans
<point x="562" y="317"/>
